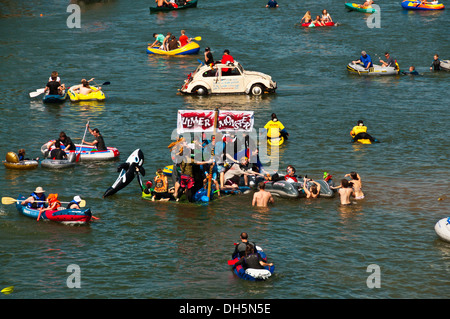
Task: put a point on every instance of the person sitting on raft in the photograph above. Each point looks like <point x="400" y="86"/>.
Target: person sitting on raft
<point x="275" y="128"/>
<point x="290" y="176"/>
<point x="306" y="18"/>
<point x="389" y="61"/>
<point x="251" y="259"/>
<point x="74" y="203"/>
<point x="54" y="86"/>
<point x="317" y="22"/>
<point x="360" y="132"/>
<point x="37" y="199"/>
<point x="239" y="249"/>
<point x="99" y="143"/>
<point x="365" y="60"/>
<point x="161" y="189"/>
<point x="326" y="16"/>
<point x="367" y="4"/>
<point x="57" y="153"/>
<point x="21" y="155"/>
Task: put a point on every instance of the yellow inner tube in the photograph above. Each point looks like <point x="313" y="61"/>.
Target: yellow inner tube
<point x="277" y="141"/>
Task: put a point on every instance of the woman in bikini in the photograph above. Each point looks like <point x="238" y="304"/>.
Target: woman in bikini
<point x="357" y="185"/>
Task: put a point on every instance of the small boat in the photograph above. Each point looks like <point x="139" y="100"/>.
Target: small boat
<point x="275" y="141"/>
<point x="375" y="70"/>
<point x="359" y="8"/>
<point x="422" y="5"/>
<point x="58" y="164"/>
<point x="55" y="98"/>
<point x="190" y="48"/>
<point x="93" y="96"/>
<point x="87" y="152"/>
<point x="442" y="229"/>
<point x="189" y="4"/>
<point x="66" y="216"/>
<point x="251" y="273"/>
<point x="12" y="162"/>
<point x="285" y="189"/>
<point x="327" y="24"/>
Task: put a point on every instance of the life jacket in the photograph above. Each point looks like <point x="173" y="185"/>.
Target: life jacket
<point x="160" y="184"/>
<point x="52" y="200"/>
<point x="37" y="198"/>
<point x="358" y="129"/>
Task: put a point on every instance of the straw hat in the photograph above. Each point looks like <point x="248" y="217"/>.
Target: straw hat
<point x="39" y="190"/>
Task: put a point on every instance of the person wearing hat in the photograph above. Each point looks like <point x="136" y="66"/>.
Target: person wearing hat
<point x="74" y="203"/>
<point x="365" y="60"/>
<point x="209" y="60"/>
<point x="37" y="199"/>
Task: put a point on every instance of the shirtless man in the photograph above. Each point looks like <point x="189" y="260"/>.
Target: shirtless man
<point x="345" y="191"/>
<point x="357" y="184"/>
<point x="84" y="87"/>
<point x="263" y="197"/>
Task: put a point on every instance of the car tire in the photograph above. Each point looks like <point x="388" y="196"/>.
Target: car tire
<point x="200" y="90"/>
<point x="257" y="89"/>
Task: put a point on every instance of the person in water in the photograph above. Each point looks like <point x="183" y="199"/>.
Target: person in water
<point x="251" y="259"/>
<point x="239" y="249"/>
<point x="275" y="128"/>
<point x="290" y="176"/>
<point x="345" y="192"/>
<point x="37" y="199"/>
<point x="21" y="155"/>
<point x="262" y="198"/>
<point x="436" y="64"/>
<point x="99" y="143"/>
<point x="389" y="61"/>
<point x="272" y="4"/>
<point x="57" y="153"/>
<point x="365" y="60"/>
<point x="306" y="18"/>
<point x="360" y="132"/>
<point x="356" y="185"/>
<point x="412" y="71"/>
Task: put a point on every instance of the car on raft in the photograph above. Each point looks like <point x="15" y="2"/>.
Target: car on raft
<point x="227" y="78"/>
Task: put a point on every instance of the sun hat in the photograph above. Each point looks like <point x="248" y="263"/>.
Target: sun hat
<point x="39" y="190"/>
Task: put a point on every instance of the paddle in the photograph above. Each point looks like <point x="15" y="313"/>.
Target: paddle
<point x="79" y="153"/>
<point x="198" y="38"/>
<point x="37" y="92"/>
<point x="232" y="262"/>
<point x="10" y="200"/>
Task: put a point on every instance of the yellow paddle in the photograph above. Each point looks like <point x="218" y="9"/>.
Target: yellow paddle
<point x="198" y="38"/>
<point x="10" y="200"/>
<point x="8" y="290"/>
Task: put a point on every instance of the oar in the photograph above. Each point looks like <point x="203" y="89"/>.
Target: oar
<point x="37" y="92"/>
<point x="232" y="262"/>
<point x="198" y="38"/>
<point x="79" y="153"/>
<point x="10" y="200"/>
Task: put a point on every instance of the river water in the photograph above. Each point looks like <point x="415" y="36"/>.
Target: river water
<point x="142" y="249"/>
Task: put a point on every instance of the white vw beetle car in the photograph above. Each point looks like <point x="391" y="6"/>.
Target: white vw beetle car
<point x="227" y="78"/>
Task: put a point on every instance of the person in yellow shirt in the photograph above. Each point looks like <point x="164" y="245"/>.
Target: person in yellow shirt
<point x="360" y="132"/>
<point x="275" y="128"/>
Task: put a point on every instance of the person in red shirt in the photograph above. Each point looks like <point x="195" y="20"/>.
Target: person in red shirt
<point x="184" y="39"/>
<point x="226" y="58"/>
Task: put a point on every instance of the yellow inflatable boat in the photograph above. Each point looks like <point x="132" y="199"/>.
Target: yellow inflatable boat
<point x="93" y="96"/>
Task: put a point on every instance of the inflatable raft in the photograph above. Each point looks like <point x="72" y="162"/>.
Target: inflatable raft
<point x="275" y="141"/>
<point x="58" y="164"/>
<point x="327" y="24"/>
<point x="12" y="162"/>
<point x="285" y="189"/>
<point x="66" y="216"/>
<point x="375" y="70"/>
<point x="50" y="98"/>
<point x="442" y="229"/>
<point x="87" y="152"/>
<point x="251" y="273"/>
<point x="359" y="8"/>
<point x="190" y="48"/>
<point x="422" y="5"/>
<point x="93" y="96"/>
<point x="190" y="4"/>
